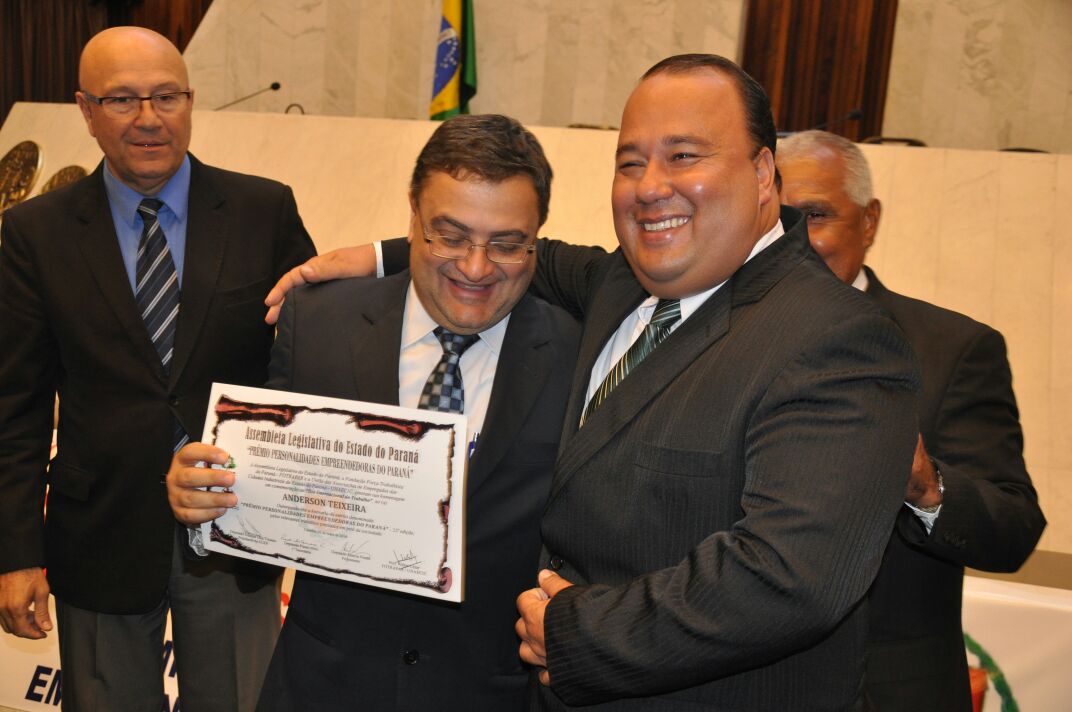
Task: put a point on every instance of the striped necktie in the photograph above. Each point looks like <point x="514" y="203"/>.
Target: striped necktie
<point x="667" y="313"/>
<point x="156" y="290"/>
<point x="157" y="283"/>
<point x="443" y="390"/>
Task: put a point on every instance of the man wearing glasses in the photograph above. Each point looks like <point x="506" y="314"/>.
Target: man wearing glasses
<point x="479" y="194"/>
<point x="129" y="293"/>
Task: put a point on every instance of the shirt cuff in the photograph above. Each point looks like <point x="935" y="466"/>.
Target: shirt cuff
<point x="378" y="246"/>
<point x="196" y="541"/>
<point x="928" y="518"/>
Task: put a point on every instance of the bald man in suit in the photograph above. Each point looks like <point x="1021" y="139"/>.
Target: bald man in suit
<point x="82" y="272"/>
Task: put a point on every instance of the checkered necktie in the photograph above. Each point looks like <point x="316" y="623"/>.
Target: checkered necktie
<point x="156" y="289"/>
<point x="443" y="390"/>
<point x="667" y="313"/>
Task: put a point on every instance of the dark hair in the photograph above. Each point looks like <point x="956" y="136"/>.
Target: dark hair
<point x="757" y="107"/>
<point x="490" y="146"/>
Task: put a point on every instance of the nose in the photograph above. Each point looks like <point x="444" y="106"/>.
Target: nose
<point x="146" y="116"/>
<point x="475" y="265"/>
<point x="654" y="184"/>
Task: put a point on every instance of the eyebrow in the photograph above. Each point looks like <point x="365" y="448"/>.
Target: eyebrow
<point x="446" y="221"/>
<point x="168" y="87"/>
<point x="674" y="140"/>
<point x="440" y="221"/>
<point x="820" y="205"/>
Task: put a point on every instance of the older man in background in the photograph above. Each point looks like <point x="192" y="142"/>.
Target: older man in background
<point x="969" y="501"/>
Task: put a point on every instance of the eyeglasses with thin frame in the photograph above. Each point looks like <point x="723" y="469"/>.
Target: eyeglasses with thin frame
<point x="456" y="247"/>
<point x="166" y="103"/>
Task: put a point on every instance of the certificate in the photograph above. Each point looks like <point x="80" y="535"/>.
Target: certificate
<point x="364" y="492"/>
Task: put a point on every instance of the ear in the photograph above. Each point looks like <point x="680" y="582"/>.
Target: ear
<point x="414" y="220"/>
<point x="84" y="106"/>
<point x="764" y="163"/>
<point x="872" y="214"/>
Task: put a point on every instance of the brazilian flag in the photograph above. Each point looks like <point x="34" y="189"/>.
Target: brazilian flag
<point x="455" y="69"/>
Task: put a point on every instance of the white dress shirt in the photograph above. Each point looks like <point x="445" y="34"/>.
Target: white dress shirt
<point x="421" y="351"/>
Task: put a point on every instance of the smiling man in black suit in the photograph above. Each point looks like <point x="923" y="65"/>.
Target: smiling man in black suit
<point x="479" y="193"/>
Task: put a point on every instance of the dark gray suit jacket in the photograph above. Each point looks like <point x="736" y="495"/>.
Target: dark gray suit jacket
<point x="990" y="518"/>
<point x="70" y="323"/>
<point x="347" y="646"/>
<point x="725" y="510"/>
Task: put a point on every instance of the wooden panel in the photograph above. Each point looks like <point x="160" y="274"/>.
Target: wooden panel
<point x="822" y="60"/>
<point x="175" y="19"/>
<point x="41" y="40"/>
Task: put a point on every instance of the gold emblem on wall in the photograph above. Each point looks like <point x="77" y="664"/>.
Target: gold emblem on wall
<point x="62" y="177"/>
<point x="18" y="173"/>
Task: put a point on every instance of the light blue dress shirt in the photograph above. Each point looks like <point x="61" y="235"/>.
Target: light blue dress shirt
<point x="124" y="202"/>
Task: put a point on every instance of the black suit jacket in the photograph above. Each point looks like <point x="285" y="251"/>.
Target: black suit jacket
<point x="70" y="324"/>
<point x="347" y="646"/>
<point x="990" y="518"/>
<point x="725" y="510"/>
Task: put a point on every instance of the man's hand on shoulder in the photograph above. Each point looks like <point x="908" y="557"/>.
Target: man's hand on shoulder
<point x="24" y="603"/>
<point x="532" y="605"/>
<point x="357" y="261"/>
<point x="190" y="472"/>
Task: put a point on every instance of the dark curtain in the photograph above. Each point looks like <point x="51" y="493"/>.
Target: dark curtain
<point x="40" y="40"/>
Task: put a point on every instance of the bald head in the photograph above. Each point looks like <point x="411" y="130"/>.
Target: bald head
<point x="144" y="141"/>
<point x="124" y="51"/>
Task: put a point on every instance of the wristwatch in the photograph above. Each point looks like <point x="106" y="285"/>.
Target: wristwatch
<point x="941" y="489"/>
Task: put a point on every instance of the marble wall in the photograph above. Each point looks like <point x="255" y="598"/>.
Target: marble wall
<point x="976" y="231"/>
<point x="987" y="74"/>
<point x="550" y="62"/>
<point x="983" y="74"/>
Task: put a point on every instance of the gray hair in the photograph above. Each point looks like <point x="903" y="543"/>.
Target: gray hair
<point x="857" y="172"/>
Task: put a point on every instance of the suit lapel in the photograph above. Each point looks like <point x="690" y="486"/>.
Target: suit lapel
<point x="100" y="250"/>
<point x="875" y="288"/>
<point x="649" y="378"/>
<point x="519" y="378"/>
<point x="707" y="325"/>
<point x="376" y="341"/>
<point x="206" y="240"/>
<point x="623" y="295"/>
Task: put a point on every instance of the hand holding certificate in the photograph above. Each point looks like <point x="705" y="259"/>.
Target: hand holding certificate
<point x="363" y="492"/>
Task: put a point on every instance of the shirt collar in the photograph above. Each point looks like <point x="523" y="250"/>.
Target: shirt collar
<point x="861" y="282"/>
<point x="417" y="324"/>
<point x="175" y="194"/>
<point x="691" y="304"/>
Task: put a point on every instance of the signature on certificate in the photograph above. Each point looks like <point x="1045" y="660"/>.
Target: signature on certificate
<point x="406" y="561"/>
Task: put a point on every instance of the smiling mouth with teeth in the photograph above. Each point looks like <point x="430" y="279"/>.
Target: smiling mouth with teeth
<point x="664" y="224"/>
